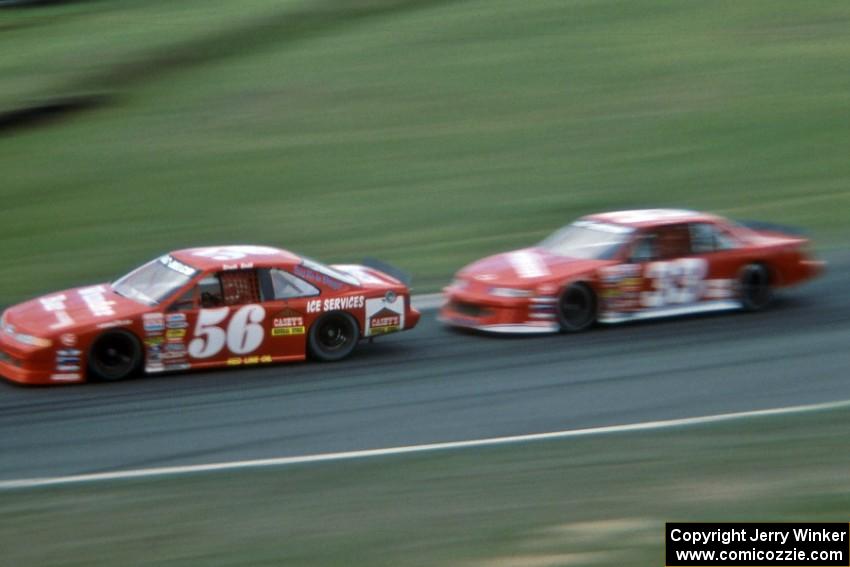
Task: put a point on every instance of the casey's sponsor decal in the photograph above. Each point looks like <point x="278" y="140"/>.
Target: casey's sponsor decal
<point x="287" y="331"/>
<point x="384" y="314"/>
<point x="384" y="321"/>
<point x="288" y="322"/>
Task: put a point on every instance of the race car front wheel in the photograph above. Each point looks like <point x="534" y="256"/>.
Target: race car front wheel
<point x="115" y="355"/>
<point x="577" y="308"/>
<point x="755" y="290"/>
<point x="333" y="337"/>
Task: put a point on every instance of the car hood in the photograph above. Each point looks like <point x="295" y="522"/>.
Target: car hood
<point x="71" y="310"/>
<point x="527" y="267"/>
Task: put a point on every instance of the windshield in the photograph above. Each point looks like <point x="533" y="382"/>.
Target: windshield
<point x="588" y="240"/>
<point x="154" y="281"/>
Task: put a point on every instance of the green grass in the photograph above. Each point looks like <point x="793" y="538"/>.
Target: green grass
<point x="599" y="500"/>
<point x="427" y="133"/>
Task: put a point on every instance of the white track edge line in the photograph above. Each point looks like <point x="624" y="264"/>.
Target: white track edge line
<point x="367" y="453"/>
<point x="427" y="301"/>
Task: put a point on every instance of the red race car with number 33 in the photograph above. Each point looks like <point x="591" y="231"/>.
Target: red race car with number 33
<point x="202" y="308"/>
<point x="628" y="265"/>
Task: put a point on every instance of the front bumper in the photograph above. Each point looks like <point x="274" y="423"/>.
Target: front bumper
<point x="507" y="329"/>
<point x="490" y="315"/>
<point x="21" y="370"/>
<point x="31" y="366"/>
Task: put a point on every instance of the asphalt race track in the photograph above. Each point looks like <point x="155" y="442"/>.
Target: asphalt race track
<point x="433" y="385"/>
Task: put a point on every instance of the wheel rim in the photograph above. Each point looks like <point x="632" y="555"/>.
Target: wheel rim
<point x="334" y="334"/>
<point x="114" y="354"/>
<point x="576" y="307"/>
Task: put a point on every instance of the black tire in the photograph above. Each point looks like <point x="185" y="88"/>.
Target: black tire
<point x="577" y="308"/>
<point x="754" y="287"/>
<point x="333" y="337"/>
<point x="115" y="355"/>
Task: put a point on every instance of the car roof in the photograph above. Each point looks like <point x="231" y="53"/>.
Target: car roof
<point x="234" y="257"/>
<point x="642" y="218"/>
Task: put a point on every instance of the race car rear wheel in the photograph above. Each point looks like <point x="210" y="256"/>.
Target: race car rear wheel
<point x="115" y="355"/>
<point x="577" y="308"/>
<point x="755" y="290"/>
<point x="333" y="337"/>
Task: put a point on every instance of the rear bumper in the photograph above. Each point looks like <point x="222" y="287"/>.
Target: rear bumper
<point x="798" y="271"/>
<point x="813" y="268"/>
<point x="412" y="318"/>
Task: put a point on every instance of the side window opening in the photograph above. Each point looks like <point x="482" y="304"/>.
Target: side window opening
<point x="209" y="292"/>
<point x="673" y="242"/>
<point x="239" y="287"/>
<point x="185" y="302"/>
<point x="724" y="241"/>
<point x="707" y="238"/>
<point x="284" y="285"/>
<point x="643" y="250"/>
<point x="235" y="287"/>
<point x="664" y="243"/>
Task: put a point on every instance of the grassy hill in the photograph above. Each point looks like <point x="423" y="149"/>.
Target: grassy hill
<point x="426" y="133"/>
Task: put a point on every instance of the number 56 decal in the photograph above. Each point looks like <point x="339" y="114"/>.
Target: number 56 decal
<point x="244" y="332"/>
<point x="676" y="282"/>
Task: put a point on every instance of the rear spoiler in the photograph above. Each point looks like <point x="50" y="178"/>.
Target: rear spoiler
<point x="399" y="274"/>
<point x="772" y="227"/>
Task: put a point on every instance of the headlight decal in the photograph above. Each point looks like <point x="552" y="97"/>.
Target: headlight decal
<point x="23" y="338"/>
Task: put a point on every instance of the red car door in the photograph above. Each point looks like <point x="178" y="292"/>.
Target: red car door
<point x="221" y="321"/>
<point x="725" y="258"/>
<point x="667" y="277"/>
<point x="288" y="317"/>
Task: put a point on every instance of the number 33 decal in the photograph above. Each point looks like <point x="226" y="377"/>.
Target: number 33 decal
<point x="244" y="332"/>
<point x="676" y="282"/>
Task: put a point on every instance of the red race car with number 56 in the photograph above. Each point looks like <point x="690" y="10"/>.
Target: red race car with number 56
<point x="202" y="308"/>
<point x="628" y="265"/>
